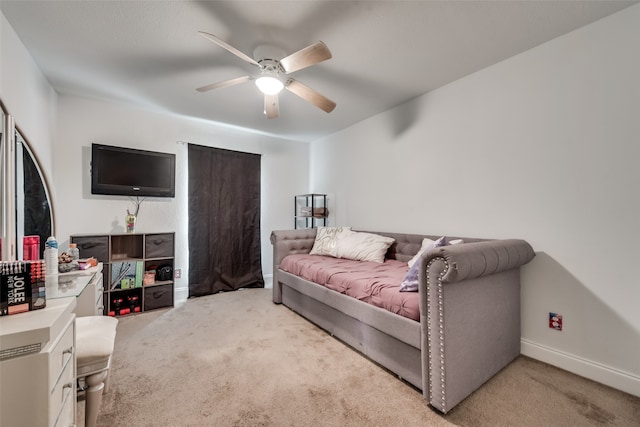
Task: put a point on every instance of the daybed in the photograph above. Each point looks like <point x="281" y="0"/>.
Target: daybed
<point x="469" y="312"/>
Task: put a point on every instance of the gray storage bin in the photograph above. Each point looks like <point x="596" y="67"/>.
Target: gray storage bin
<point x="93" y="246"/>
<point x="159" y="245"/>
<point x="158" y="297"/>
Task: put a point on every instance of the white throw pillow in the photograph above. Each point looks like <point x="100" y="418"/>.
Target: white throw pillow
<point x="326" y="239"/>
<point x="361" y="246"/>
<point x="426" y="244"/>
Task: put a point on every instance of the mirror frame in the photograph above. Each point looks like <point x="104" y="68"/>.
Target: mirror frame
<point x="8" y="181"/>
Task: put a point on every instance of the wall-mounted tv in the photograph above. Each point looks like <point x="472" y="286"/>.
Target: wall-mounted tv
<point x="130" y="172"/>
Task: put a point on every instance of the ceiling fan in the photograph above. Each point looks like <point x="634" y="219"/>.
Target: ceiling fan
<point x="271" y="80"/>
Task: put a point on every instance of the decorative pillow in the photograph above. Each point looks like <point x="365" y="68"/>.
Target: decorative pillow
<point x="326" y="239"/>
<point x="426" y="243"/>
<point x="410" y="282"/>
<point x="361" y="246"/>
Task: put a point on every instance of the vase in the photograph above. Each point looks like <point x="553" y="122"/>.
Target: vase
<point x="130" y="221"/>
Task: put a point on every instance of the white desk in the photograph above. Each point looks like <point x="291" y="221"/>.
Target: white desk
<point x="37" y="366"/>
<point x="85" y="285"/>
<point x="37" y="352"/>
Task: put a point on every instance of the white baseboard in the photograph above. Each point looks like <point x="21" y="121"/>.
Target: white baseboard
<point x="598" y="372"/>
<point x="181" y="294"/>
<point x="268" y="281"/>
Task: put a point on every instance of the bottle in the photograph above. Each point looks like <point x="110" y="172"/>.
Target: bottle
<point x="51" y="256"/>
<point x="30" y="248"/>
<point x="74" y="252"/>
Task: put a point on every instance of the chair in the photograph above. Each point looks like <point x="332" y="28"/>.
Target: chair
<point x="95" y="336"/>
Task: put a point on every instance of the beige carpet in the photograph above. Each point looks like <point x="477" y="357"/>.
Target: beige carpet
<point x="237" y="359"/>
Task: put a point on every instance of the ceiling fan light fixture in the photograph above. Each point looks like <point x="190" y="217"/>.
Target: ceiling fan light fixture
<point x="269" y="85"/>
<point x="271" y="79"/>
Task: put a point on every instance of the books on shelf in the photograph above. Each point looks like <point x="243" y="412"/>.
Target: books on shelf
<point x="126" y="275"/>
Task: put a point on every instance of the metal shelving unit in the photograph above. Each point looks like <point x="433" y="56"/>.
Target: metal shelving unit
<point x="310" y="210"/>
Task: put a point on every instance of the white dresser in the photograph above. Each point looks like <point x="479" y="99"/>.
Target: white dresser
<point x="37" y="366"/>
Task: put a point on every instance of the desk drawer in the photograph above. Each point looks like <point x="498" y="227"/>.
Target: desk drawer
<point x="100" y="305"/>
<point x="99" y="284"/>
<point x="98" y="300"/>
<point x="62" y="396"/>
<point x="62" y="356"/>
<point x="67" y="416"/>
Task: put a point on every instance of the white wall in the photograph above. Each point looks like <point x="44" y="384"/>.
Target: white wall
<point x="82" y="122"/>
<point x="28" y="96"/>
<point x="543" y="146"/>
<point x="62" y="143"/>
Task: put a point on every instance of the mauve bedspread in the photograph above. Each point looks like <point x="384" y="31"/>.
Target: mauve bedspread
<point x="375" y="283"/>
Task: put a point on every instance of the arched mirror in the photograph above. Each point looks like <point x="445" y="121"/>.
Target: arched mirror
<point x="25" y="205"/>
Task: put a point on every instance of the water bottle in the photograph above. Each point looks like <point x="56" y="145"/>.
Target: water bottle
<point x="74" y="252"/>
<point x="51" y="256"/>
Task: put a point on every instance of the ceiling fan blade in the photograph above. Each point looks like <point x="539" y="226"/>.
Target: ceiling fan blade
<point x="230" y="48"/>
<point x="271" y="106"/>
<point x="224" y="83"/>
<point x="306" y="57"/>
<point x="310" y="95"/>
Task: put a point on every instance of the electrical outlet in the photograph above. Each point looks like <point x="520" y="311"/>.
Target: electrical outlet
<point x="555" y="321"/>
<point x="178" y="273"/>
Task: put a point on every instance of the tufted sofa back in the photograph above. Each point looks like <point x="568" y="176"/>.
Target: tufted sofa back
<point x="407" y="245"/>
<point x="301" y="241"/>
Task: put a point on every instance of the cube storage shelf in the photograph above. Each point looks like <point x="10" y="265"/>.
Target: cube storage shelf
<point x="126" y="258"/>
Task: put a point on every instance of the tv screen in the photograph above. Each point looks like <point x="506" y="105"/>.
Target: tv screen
<point x="130" y="172"/>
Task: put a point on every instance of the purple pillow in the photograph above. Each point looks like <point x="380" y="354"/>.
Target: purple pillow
<point x="410" y="281"/>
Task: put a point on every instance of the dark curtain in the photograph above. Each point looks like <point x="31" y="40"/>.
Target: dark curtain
<point x="224" y="221"/>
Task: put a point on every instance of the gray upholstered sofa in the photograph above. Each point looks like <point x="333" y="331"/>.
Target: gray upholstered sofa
<point x="469" y="325"/>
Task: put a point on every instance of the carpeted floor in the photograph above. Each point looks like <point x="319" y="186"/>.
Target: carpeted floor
<point x="237" y="359"/>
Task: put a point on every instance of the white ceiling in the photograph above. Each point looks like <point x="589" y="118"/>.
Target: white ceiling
<point x="384" y="52"/>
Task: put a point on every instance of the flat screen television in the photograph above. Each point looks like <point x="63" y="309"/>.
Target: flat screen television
<point x="130" y="172"/>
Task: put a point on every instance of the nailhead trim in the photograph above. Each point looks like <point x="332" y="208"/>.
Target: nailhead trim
<point x="440" y="331"/>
